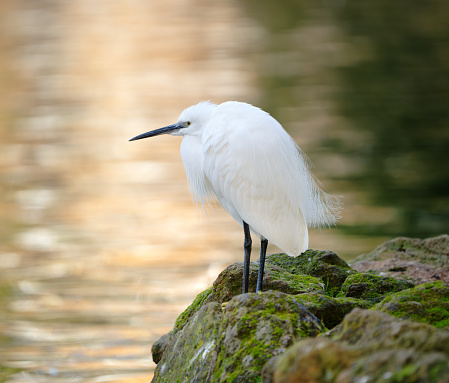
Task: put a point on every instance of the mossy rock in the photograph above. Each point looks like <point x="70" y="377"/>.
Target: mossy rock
<point x="256" y="328"/>
<point x="200" y="300"/>
<point x="326" y="265"/>
<point x="330" y="310"/>
<point x="323" y="360"/>
<point x="369" y="346"/>
<point x="229" y="282"/>
<point x="233" y="344"/>
<point x="416" y="260"/>
<point x="158" y="348"/>
<point x="375" y="330"/>
<point x="371" y="287"/>
<point x="190" y="352"/>
<point x="425" y="303"/>
<point x="314" y="361"/>
<point x="398" y="366"/>
<point x="246" y="340"/>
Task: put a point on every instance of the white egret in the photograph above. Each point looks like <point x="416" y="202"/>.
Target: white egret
<point x="241" y="156"/>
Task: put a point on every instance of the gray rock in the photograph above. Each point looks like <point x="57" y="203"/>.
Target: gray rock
<point x="416" y="260"/>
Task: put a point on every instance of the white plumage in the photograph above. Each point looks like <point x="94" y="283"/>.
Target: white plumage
<point x="244" y="157"/>
<point x="241" y="156"/>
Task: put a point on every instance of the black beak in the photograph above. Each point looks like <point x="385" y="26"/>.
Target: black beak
<point x="157" y="132"/>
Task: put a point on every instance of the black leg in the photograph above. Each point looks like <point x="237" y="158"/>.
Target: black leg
<point x="247" y="247"/>
<point x="263" y="252"/>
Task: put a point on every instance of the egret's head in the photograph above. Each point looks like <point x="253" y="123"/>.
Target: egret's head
<point x="191" y="122"/>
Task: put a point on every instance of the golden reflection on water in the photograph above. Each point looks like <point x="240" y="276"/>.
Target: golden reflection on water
<point x="102" y="246"/>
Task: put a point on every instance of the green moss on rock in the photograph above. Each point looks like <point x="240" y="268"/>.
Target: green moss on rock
<point x="190" y="352"/>
<point x="371" y="287"/>
<point x="256" y="328"/>
<point x="329" y="310"/>
<point x="326" y="265"/>
<point x="425" y="303"/>
<point x="233" y="344"/>
<point x="403" y="366"/>
<point x="314" y="361"/>
<point x="229" y="282"/>
<point x="249" y="336"/>
<point x="375" y="330"/>
<point x="158" y="348"/>
<point x="369" y="347"/>
<point x="426" y="250"/>
<point x="198" y="302"/>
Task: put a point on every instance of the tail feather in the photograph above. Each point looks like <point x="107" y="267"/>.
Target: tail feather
<point x="319" y="208"/>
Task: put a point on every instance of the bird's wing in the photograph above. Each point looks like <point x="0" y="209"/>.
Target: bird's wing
<point x="252" y="167"/>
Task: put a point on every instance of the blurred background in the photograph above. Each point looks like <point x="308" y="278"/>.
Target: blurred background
<point x="101" y="247"/>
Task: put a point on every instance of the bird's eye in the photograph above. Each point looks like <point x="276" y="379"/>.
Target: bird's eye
<point x="188" y="123"/>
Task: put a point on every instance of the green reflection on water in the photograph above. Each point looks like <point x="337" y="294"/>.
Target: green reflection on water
<point x="6" y="291"/>
<point x="401" y="96"/>
<point x="382" y="69"/>
<point x="6" y="372"/>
